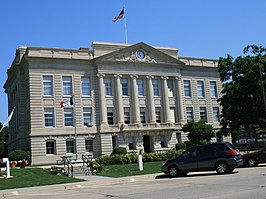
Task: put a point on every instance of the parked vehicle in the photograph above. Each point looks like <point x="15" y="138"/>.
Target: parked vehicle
<point x="255" y="158"/>
<point x="222" y="157"/>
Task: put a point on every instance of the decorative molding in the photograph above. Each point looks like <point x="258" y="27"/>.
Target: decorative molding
<point x="133" y="58"/>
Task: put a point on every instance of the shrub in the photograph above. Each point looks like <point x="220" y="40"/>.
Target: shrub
<point x="119" y="151"/>
<point x="18" y="155"/>
<point x="180" y="146"/>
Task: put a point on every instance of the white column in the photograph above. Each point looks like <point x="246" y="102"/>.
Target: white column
<point x="165" y="99"/>
<point x="135" y="99"/>
<point x="180" y="100"/>
<point x="102" y="99"/>
<point x="150" y="100"/>
<point x="119" y="99"/>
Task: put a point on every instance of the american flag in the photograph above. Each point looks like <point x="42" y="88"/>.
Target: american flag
<point x="120" y="16"/>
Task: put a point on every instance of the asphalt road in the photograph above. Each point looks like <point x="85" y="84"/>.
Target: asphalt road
<point x="244" y="183"/>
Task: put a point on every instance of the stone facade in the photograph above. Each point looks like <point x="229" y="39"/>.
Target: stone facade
<point x="135" y="96"/>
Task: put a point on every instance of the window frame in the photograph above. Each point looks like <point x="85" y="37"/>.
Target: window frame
<point x="85" y="86"/>
<point x="67" y="86"/>
<point x="155" y="84"/>
<point x="124" y="85"/>
<point x="213" y="89"/>
<point x="200" y="89"/>
<point x="187" y="88"/>
<point x="46" y="113"/>
<point x="108" y="87"/>
<point x="140" y="83"/>
<point x="69" y="148"/>
<point x="48" y="85"/>
<point x="89" y="145"/>
<point x="66" y="120"/>
<point x="50" y="148"/>
<point x="190" y="110"/>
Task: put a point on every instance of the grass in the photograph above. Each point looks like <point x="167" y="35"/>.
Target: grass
<point x="117" y="171"/>
<point x="30" y="177"/>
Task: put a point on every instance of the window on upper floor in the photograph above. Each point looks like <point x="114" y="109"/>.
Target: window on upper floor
<point x="203" y="114"/>
<point x="67" y="86"/>
<point x="47" y="85"/>
<point x="48" y="117"/>
<point x="158" y="115"/>
<point x="190" y="116"/>
<point x="85" y="86"/>
<point x="108" y="87"/>
<point x="141" y="87"/>
<point x="213" y="89"/>
<point x="142" y="115"/>
<point x="155" y="83"/>
<point x="216" y="114"/>
<point x="89" y="145"/>
<point x="124" y="87"/>
<point x="187" y="88"/>
<point x="126" y="116"/>
<point x="50" y="147"/>
<point x="170" y="85"/>
<point x="200" y="85"/>
<point x="68" y="116"/>
<point x="110" y="116"/>
<point x="87" y="117"/>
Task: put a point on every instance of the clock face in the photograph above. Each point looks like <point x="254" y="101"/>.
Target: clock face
<point x="140" y="54"/>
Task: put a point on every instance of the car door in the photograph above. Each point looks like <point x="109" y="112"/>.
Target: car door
<point x="206" y="157"/>
<point x="262" y="155"/>
<point x="188" y="160"/>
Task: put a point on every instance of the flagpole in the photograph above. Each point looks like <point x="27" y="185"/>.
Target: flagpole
<point x="125" y="23"/>
<point x="75" y="123"/>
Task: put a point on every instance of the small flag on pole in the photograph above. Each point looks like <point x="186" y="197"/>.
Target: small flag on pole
<point x="120" y="16"/>
<point x="8" y="119"/>
<point x="67" y="102"/>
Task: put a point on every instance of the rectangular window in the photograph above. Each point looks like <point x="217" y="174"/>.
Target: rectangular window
<point x="142" y="115"/>
<point x="50" y="147"/>
<point x="85" y="86"/>
<point x="115" y="141"/>
<point x="163" y="142"/>
<point x="158" y="115"/>
<point x="87" y="117"/>
<point x="203" y="114"/>
<point x="187" y="88"/>
<point x="68" y="115"/>
<point x="140" y="87"/>
<point x="124" y="87"/>
<point x="216" y="114"/>
<point x="155" y="84"/>
<point x="213" y="89"/>
<point x="47" y="85"/>
<point x="127" y="116"/>
<point x="170" y="84"/>
<point x="89" y="145"/>
<point x="200" y="85"/>
<point x="67" y="86"/>
<point x="110" y="116"/>
<point x="131" y="145"/>
<point x="189" y="111"/>
<point x="49" y="117"/>
<point x="70" y="146"/>
<point x="108" y="87"/>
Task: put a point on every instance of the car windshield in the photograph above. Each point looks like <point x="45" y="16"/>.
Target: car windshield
<point x="191" y="152"/>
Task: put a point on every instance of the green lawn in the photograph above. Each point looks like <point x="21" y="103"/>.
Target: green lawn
<point x="117" y="171"/>
<point x="30" y="177"/>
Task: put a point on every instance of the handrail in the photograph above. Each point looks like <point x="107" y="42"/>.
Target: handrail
<point x="67" y="163"/>
<point x="87" y="159"/>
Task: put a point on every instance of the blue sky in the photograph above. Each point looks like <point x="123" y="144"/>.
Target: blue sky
<point x="206" y="28"/>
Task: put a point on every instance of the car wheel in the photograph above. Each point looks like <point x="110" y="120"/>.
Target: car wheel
<point x="222" y="168"/>
<point x="173" y="171"/>
<point x="252" y="162"/>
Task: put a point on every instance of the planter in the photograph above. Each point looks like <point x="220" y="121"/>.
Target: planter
<point x="13" y="164"/>
<point x="22" y="164"/>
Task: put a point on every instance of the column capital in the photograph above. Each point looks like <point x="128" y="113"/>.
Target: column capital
<point x="149" y="77"/>
<point x="178" y="77"/>
<point x="100" y="75"/>
<point x="164" y="77"/>
<point x="117" y="75"/>
<point x="134" y="76"/>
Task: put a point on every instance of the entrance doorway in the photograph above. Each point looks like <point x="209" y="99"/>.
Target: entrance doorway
<point x="146" y="143"/>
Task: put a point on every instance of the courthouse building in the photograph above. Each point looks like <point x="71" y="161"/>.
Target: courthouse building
<point x="135" y="96"/>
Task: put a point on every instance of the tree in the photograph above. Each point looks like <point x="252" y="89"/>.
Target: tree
<point x="3" y="141"/>
<point x="199" y="132"/>
<point x="243" y="97"/>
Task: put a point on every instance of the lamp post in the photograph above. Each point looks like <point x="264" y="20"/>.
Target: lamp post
<point x="262" y="88"/>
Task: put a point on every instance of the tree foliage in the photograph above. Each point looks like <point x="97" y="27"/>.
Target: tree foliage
<point x="199" y="132"/>
<point x="242" y="101"/>
<point x="3" y="141"/>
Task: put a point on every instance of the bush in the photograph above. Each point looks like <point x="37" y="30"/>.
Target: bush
<point x="119" y="151"/>
<point x="18" y="155"/>
<point x="180" y="146"/>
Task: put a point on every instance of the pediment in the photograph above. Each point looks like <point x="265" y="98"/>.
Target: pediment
<point x="139" y="53"/>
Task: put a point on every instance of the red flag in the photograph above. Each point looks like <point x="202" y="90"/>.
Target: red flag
<point x="120" y="16"/>
<point x="67" y="102"/>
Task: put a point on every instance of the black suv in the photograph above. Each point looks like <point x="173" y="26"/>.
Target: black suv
<point x="222" y="157"/>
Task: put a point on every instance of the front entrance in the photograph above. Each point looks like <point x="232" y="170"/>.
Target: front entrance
<point x="146" y="143"/>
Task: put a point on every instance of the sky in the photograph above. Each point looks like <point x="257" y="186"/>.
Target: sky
<point x="205" y="28"/>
